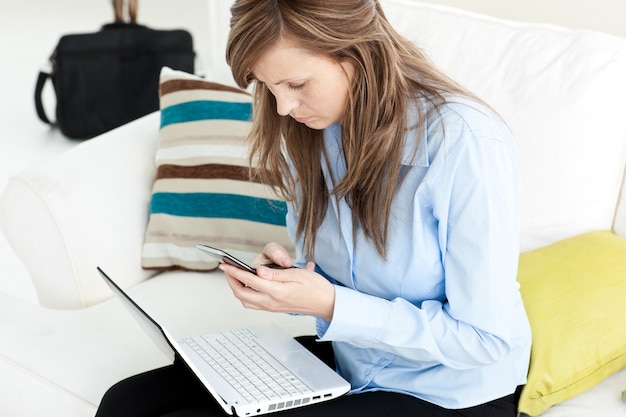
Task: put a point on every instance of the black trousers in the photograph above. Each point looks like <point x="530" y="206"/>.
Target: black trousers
<point x="173" y="391"/>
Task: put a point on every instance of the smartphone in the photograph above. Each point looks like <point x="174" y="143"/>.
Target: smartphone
<point x="226" y="257"/>
<point x="231" y="260"/>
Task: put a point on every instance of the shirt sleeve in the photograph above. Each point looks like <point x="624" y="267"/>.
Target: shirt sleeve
<point x="476" y="203"/>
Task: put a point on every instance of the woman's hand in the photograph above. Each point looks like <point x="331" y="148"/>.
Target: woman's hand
<point x="291" y="290"/>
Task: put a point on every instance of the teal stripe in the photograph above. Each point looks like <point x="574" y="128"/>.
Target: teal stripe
<point x="205" y="110"/>
<point x="229" y="206"/>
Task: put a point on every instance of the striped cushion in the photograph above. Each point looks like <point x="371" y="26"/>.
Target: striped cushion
<point x="201" y="193"/>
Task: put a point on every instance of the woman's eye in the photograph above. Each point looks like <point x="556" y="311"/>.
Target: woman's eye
<point x="296" y="87"/>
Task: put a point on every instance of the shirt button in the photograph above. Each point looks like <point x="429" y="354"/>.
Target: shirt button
<point x="367" y="372"/>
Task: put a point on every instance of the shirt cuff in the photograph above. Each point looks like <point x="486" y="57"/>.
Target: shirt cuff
<point x="356" y="316"/>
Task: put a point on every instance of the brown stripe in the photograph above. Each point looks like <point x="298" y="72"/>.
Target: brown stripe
<point x="208" y="171"/>
<point x="172" y="86"/>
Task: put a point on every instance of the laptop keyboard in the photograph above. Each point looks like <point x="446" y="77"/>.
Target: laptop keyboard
<point x="244" y="364"/>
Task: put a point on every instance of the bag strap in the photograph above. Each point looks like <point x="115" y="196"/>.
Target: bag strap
<point x="41" y="81"/>
<point x="121" y="14"/>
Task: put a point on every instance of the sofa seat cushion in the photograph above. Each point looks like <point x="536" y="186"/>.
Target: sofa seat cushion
<point x="202" y="193"/>
<point x="574" y="292"/>
<point x="97" y="346"/>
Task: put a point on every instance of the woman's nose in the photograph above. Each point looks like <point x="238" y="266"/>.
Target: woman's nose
<point x="285" y="104"/>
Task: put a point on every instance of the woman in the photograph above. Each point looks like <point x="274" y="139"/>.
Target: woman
<point x="403" y="203"/>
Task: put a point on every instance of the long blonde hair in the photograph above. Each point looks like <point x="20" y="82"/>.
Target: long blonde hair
<point x="391" y="75"/>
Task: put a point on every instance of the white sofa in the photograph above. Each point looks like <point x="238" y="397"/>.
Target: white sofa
<point x="561" y="91"/>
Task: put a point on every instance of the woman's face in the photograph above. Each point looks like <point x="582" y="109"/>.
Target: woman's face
<point x="311" y="88"/>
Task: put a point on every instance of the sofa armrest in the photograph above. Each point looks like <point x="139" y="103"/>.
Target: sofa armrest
<point x="85" y="207"/>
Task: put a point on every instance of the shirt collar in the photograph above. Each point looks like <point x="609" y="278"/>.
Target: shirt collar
<point x="332" y="136"/>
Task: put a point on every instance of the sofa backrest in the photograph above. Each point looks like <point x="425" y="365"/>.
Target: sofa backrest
<point x="561" y="92"/>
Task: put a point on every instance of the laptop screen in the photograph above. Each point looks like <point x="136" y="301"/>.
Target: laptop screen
<point x="150" y="326"/>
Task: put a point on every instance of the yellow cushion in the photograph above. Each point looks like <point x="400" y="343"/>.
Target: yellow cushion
<point x="575" y="295"/>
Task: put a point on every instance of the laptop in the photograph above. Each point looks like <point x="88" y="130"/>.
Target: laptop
<point x="249" y="371"/>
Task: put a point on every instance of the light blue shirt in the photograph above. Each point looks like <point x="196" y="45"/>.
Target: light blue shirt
<point x="442" y="318"/>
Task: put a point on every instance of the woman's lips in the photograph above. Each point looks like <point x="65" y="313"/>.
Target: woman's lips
<point x="302" y="119"/>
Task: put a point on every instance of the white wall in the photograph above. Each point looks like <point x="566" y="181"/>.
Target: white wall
<point x="601" y="15"/>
